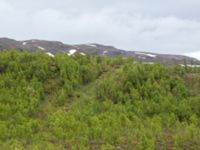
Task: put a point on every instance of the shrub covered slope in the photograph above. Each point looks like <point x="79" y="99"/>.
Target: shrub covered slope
<point x="93" y="103"/>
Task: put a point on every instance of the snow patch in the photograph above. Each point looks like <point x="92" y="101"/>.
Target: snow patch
<point x="50" y="54"/>
<point x="151" y="55"/>
<point x="42" y="48"/>
<point x="146" y="54"/>
<point x="105" y="52"/>
<point x="71" y="52"/>
<point x="24" y="43"/>
<point x="82" y="53"/>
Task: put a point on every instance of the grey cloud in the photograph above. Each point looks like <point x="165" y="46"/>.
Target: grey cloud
<point x="157" y="26"/>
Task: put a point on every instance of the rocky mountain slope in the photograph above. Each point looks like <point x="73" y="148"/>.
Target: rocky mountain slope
<point x="52" y="47"/>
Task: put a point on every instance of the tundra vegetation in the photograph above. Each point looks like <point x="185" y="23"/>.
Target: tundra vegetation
<point x="95" y="103"/>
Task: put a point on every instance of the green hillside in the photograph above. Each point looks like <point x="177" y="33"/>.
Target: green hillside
<point x="94" y="103"/>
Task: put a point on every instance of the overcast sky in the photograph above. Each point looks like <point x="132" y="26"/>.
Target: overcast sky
<point x="171" y="26"/>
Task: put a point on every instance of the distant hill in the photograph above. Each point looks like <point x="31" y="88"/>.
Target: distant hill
<point x="52" y="47"/>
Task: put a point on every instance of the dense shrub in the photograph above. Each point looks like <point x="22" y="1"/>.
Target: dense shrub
<point x="87" y="102"/>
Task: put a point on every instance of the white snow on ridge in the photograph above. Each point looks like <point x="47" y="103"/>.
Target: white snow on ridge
<point x="24" y="43"/>
<point x="151" y="55"/>
<point x="105" y="52"/>
<point x="42" y="48"/>
<point x="71" y="52"/>
<point x="82" y="53"/>
<point x="50" y="54"/>
<point x="146" y="54"/>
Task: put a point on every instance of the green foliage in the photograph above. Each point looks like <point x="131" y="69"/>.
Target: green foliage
<point x="89" y="103"/>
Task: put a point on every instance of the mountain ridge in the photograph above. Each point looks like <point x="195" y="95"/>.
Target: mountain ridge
<point x="52" y="47"/>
